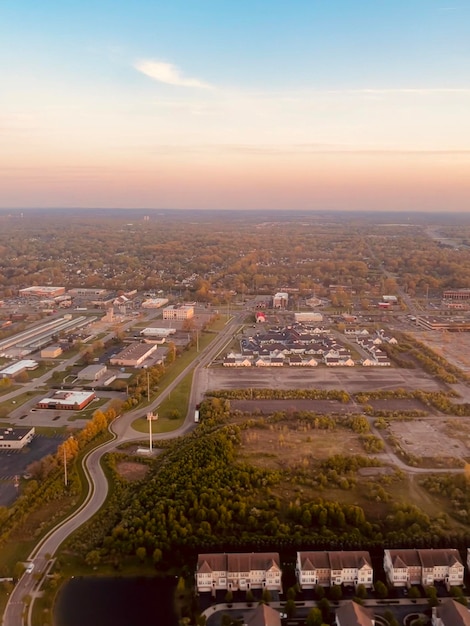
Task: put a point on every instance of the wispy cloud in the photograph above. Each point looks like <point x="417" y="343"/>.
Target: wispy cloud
<point x="168" y="73"/>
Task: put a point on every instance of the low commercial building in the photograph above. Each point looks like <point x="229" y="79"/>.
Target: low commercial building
<point x="178" y="312"/>
<point x="308" y="316"/>
<point x="15" y="438"/>
<point x="154" y="303"/>
<point x="134" y="355"/>
<point x="17" y="368"/>
<point x="280" y="300"/>
<point x="51" y="352"/>
<point x="67" y="400"/>
<point x="93" y="372"/>
<point x="239" y="571"/>
<point x="443" y="323"/>
<point x="40" y="291"/>
<point x="157" y="332"/>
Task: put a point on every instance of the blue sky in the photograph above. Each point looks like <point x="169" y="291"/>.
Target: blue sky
<point x="302" y="104"/>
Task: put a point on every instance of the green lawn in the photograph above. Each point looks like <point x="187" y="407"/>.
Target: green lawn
<point x="176" y="401"/>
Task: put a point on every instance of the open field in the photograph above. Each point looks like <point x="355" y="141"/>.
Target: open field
<point x="455" y="347"/>
<point x="281" y="446"/>
<point x="290" y="444"/>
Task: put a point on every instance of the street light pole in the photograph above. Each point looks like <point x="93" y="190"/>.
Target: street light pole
<point x="150" y="418"/>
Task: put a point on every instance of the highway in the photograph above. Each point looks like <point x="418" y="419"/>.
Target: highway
<point x="17" y="612"/>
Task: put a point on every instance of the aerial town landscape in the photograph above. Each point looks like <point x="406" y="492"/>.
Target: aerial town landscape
<point x="235" y="313"/>
<point x="278" y="422"/>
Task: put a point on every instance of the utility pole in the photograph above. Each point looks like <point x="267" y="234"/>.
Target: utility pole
<point x="65" y="466"/>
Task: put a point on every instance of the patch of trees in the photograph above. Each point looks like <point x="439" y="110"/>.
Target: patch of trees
<point x="253" y="393"/>
<point x="201" y="496"/>
<point x="442" y="401"/>
<point x="455" y="489"/>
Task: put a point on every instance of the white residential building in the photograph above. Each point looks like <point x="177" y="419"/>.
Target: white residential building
<point x="239" y="571"/>
<point x="334" y="568"/>
<point x="423" y="567"/>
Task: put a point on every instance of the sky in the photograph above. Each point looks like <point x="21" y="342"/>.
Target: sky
<point x="235" y="104"/>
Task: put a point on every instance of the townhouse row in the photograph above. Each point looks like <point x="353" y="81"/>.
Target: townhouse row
<point x="403" y="568"/>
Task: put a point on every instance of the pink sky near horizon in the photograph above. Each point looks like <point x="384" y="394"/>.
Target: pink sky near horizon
<point x="321" y="180"/>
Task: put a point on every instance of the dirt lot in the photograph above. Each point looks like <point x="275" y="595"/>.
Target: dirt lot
<point x="455" y="347"/>
<point x="132" y="471"/>
<point x="429" y="439"/>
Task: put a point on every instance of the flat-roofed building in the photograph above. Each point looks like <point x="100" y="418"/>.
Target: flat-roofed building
<point x="159" y="333"/>
<point x="308" y="316"/>
<point x="40" y="291"/>
<point x="51" y="352"/>
<point x="456" y="294"/>
<point x="15" y="438"/>
<point x="178" y="312"/>
<point x="443" y="323"/>
<point x="85" y="292"/>
<point x="280" y="300"/>
<point x="134" y="355"/>
<point x="93" y="372"/>
<point x="154" y="303"/>
<point x="67" y="400"/>
<point x="17" y="368"/>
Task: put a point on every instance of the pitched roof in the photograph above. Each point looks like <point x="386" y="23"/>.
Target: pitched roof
<point x="352" y="614"/>
<point x="453" y="613"/>
<point x="335" y="560"/>
<point x="264" y="615"/>
<point x="425" y="558"/>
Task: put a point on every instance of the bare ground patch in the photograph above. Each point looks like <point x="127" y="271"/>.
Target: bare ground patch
<point x="268" y="407"/>
<point x="131" y="470"/>
<point x="454" y="347"/>
<point x="428" y="439"/>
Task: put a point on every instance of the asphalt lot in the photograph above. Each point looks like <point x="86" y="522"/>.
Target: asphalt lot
<point x="14" y="463"/>
<point x="350" y="379"/>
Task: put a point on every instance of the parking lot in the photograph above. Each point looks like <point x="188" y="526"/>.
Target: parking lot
<point x="13" y="463"/>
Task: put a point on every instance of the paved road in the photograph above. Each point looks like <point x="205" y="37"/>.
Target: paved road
<point x="16" y="613"/>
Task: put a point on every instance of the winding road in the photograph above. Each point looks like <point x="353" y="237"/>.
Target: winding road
<point x="19" y="606"/>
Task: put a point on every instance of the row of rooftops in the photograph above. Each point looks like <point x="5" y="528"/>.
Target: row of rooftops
<point x="334" y="560"/>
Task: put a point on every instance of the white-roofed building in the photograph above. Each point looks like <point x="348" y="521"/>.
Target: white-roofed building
<point x="67" y="400"/>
